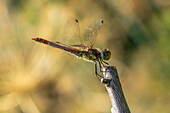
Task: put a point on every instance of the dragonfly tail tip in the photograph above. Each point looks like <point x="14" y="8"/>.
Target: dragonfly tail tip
<point x="34" y="38"/>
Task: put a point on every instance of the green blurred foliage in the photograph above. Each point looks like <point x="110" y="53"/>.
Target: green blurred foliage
<point x="35" y="78"/>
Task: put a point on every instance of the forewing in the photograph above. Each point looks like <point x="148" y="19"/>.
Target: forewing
<point x="90" y="34"/>
<point x="71" y="34"/>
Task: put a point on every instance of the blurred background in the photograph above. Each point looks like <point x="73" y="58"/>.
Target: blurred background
<point x="35" y="78"/>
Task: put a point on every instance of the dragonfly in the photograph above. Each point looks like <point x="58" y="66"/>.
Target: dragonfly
<point x="82" y="46"/>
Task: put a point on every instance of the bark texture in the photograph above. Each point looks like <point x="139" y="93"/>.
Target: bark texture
<point x="114" y="89"/>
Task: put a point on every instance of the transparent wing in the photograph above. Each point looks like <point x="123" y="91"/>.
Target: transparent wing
<point x="90" y="34"/>
<point x="71" y="34"/>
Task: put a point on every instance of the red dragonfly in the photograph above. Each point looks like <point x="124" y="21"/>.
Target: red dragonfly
<point x="84" y="48"/>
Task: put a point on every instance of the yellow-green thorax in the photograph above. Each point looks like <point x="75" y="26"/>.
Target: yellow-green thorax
<point x="91" y="54"/>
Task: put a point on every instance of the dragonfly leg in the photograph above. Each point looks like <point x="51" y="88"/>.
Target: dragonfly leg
<point x="106" y="63"/>
<point x="96" y="71"/>
<point x="100" y="67"/>
<point x="103" y="80"/>
<point x="102" y="64"/>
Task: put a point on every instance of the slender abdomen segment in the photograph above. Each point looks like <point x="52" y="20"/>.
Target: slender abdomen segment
<point x="41" y="40"/>
<point x="73" y="51"/>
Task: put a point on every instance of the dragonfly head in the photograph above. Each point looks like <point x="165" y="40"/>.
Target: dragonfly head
<point x="106" y="54"/>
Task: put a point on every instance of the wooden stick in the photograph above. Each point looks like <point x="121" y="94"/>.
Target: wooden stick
<point x="113" y="87"/>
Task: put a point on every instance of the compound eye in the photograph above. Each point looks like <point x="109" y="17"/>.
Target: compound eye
<point x="106" y="54"/>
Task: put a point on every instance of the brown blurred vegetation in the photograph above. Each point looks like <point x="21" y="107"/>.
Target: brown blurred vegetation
<point x="35" y="78"/>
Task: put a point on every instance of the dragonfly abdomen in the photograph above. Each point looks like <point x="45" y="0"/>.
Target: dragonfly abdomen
<point x="73" y="51"/>
<point x="41" y="40"/>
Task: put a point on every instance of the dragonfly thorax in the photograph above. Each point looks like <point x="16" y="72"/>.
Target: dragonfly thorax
<point x="91" y="54"/>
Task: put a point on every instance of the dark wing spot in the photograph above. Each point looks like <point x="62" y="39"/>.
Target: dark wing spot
<point x="76" y="20"/>
<point x="102" y="21"/>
